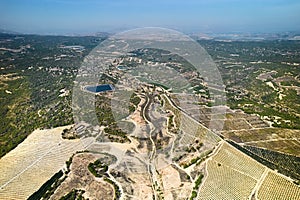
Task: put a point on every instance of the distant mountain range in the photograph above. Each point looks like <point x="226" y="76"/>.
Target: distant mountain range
<point x="8" y="31"/>
<point x="203" y="36"/>
<point x="248" y="36"/>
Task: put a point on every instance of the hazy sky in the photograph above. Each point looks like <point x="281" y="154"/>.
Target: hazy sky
<point x="86" y="16"/>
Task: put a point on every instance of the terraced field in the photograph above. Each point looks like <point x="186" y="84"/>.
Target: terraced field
<point x="192" y="128"/>
<point x="276" y="139"/>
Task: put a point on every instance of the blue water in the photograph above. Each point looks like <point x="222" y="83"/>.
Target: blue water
<point x="120" y="67"/>
<point x="100" y="88"/>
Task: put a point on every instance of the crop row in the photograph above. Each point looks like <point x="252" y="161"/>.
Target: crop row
<point x="276" y="187"/>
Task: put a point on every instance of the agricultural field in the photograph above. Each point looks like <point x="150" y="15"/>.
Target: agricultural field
<point x="277" y="187"/>
<point x="233" y="175"/>
<point x="34" y="161"/>
<point x="288" y="146"/>
<point x="36" y="80"/>
<point x="230" y="174"/>
<point x="231" y="157"/>
<point x="276" y="139"/>
<point x="288" y="165"/>
<point x="261" y="77"/>
<point x="156" y="135"/>
<point x="224" y="182"/>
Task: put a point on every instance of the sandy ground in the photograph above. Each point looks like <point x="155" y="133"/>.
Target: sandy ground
<point x="34" y="161"/>
<point x="81" y="178"/>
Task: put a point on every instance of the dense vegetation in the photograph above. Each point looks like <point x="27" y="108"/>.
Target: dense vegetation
<point x="241" y="63"/>
<point x="47" y="189"/>
<point x="37" y="74"/>
<point x="115" y="129"/>
<point x="97" y="168"/>
<point x="285" y="164"/>
<point x="196" y="187"/>
<point x="35" y="71"/>
<point x="74" y="195"/>
<point x="116" y="188"/>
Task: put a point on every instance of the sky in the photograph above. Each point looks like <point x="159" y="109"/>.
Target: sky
<point x="207" y="16"/>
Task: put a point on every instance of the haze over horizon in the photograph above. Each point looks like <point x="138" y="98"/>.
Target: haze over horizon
<point x="215" y="16"/>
